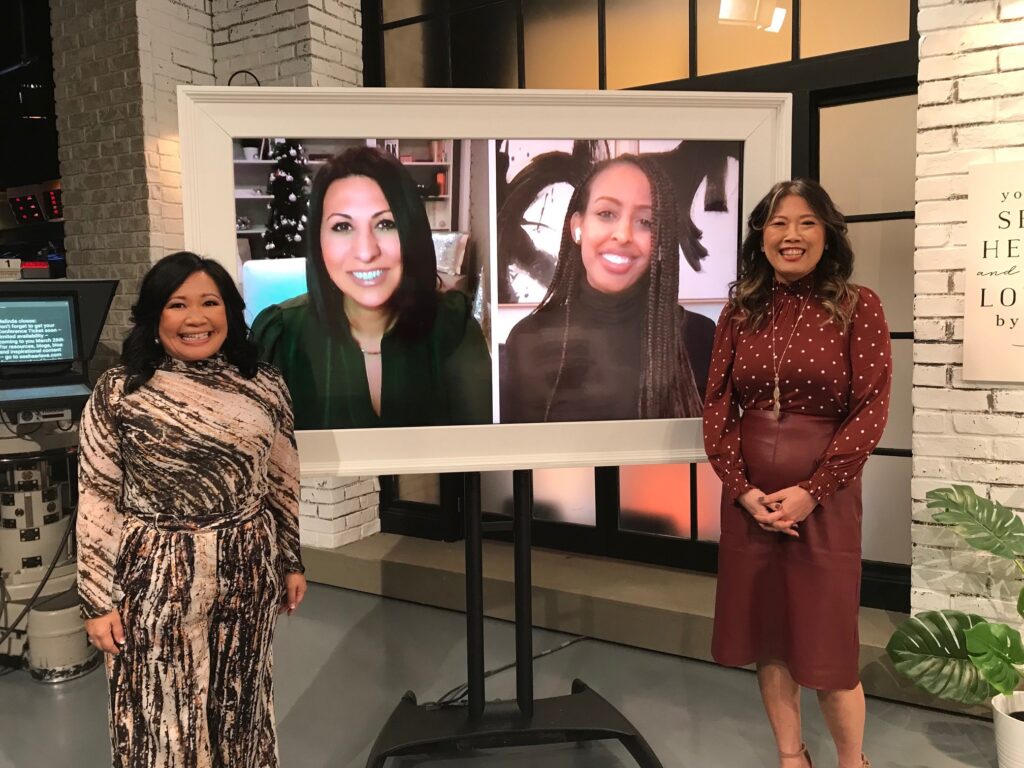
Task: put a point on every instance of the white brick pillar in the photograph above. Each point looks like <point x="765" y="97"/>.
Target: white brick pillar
<point x="336" y="511"/>
<point x="319" y="43"/>
<point x="289" y="42"/>
<point x="971" y="109"/>
<point x="117" y="64"/>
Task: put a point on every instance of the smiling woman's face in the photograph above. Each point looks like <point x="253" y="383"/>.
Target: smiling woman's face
<point x="359" y="241"/>
<point x="194" y="324"/>
<point x="793" y="239"/>
<point x="615" y="230"/>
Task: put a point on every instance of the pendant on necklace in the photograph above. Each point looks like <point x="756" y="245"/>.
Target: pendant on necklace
<point x="776" y="394"/>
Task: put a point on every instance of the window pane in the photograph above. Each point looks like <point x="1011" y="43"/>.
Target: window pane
<point x="886" y="526"/>
<point x="738" y="42"/>
<point x="655" y="499"/>
<point x="709" y="504"/>
<point x="416" y="56"/>
<point x="901" y="413"/>
<point x="424" y="488"/>
<point x="827" y="26"/>
<point x="647" y="41"/>
<point x="884" y="262"/>
<point x="484" y="50"/>
<point x="559" y="495"/>
<point x="561" y="43"/>
<point x="868" y="151"/>
<point x="395" y="10"/>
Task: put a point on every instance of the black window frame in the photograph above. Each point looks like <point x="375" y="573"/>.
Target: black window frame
<point x="845" y="77"/>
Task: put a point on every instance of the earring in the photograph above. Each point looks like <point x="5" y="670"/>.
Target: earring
<point x="579" y="234"/>
<point x="156" y="340"/>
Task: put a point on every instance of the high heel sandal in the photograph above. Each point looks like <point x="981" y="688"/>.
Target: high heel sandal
<point x="806" y="755"/>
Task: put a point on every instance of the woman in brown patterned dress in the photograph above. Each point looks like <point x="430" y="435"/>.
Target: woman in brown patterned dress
<point x="188" y="527"/>
<point x="797" y="399"/>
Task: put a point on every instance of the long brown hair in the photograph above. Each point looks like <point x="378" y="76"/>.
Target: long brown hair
<point x="750" y="296"/>
<point x="667" y="385"/>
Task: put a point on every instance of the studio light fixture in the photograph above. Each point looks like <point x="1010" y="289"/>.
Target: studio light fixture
<point x="768" y="15"/>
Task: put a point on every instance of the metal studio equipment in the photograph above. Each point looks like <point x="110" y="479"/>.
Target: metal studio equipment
<point x="48" y="332"/>
<point x="581" y="716"/>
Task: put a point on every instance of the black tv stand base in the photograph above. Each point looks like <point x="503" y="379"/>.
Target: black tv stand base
<point x="583" y="715"/>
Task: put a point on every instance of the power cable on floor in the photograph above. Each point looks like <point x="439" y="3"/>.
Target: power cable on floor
<point x="453" y="697"/>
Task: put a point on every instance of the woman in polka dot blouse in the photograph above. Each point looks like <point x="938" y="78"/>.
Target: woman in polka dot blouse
<point x="797" y="398"/>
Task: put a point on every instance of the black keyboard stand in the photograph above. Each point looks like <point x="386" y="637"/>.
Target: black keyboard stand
<point x="583" y="715"/>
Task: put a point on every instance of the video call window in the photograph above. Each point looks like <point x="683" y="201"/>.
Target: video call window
<point x="518" y="280"/>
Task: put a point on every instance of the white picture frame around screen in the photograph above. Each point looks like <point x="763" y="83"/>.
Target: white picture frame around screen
<point x="211" y="117"/>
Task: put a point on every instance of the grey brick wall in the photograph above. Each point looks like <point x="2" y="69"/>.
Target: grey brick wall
<point x="99" y="104"/>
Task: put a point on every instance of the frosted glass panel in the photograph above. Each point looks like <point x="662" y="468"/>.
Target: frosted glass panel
<point x="868" y="151"/>
<point x="395" y="10"/>
<point x="828" y="26"/>
<point x="884" y="262"/>
<point x="655" y="499"/>
<point x="422" y="488"/>
<point x="709" y="504"/>
<point x="723" y="46"/>
<point x="901" y="412"/>
<point x="560" y="41"/>
<point x="647" y="41"/>
<point x="559" y="495"/>
<point x="415" y="56"/>
<point x="887" y="509"/>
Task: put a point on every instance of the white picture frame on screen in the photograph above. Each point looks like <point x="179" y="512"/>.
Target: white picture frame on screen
<point x="212" y="118"/>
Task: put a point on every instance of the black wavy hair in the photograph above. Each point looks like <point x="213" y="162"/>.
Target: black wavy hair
<point x="750" y="296"/>
<point x="142" y="352"/>
<point x="414" y="302"/>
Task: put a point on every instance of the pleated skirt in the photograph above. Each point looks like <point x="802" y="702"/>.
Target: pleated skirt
<point x="783" y="599"/>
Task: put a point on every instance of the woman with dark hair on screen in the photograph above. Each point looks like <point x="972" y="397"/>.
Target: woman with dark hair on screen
<point x="797" y="399"/>
<point x="188" y="536"/>
<point x="610" y="340"/>
<point x="374" y="343"/>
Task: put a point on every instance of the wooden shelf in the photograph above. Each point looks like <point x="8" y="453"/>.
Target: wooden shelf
<point x="252" y="174"/>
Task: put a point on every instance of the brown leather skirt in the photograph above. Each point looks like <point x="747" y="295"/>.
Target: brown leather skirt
<point x="781" y="598"/>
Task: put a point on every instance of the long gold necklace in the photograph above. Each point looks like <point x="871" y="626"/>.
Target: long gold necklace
<point x="777" y="364"/>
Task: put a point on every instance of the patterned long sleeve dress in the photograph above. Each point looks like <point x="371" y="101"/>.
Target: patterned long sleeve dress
<point x="188" y="504"/>
<point x="780" y="598"/>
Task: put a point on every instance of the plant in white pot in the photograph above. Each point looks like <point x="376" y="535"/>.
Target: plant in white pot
<point x="961" y="656"/>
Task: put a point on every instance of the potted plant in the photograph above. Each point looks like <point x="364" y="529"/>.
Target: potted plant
<point x="961" y="656"/>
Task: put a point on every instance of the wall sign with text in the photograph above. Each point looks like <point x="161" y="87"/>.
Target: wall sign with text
<point x="994" y="287"/>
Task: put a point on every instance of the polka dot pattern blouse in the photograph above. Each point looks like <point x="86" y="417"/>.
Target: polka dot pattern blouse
<point x="844" y="375"/>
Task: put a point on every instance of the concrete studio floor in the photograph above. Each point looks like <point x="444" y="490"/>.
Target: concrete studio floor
<point x="344" y="661"/>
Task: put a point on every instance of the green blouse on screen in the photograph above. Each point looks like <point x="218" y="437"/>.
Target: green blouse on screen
<point x="442" y="378"/>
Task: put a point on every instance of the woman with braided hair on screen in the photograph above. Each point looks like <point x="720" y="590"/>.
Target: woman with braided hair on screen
<point x="609" y="340"/>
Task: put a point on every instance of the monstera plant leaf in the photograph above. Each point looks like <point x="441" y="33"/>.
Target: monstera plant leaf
<point x="931" y="650"/>
<point x="984" y="524"/>
<point x="994" y="649"/>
